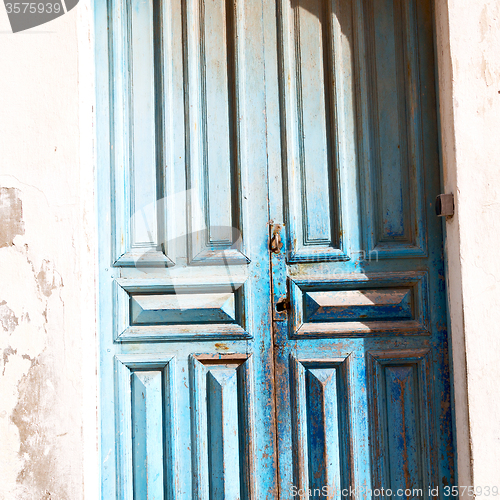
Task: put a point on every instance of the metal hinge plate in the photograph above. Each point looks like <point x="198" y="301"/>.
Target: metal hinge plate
<point x="445" y="205"/>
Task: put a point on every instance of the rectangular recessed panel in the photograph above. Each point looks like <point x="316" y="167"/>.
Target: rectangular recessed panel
<point x="143" y="127"/>
<point x="404" y="437"/>
<point x="395" y="191"/>
<point x="223" y="442"/>
<point x="394" y="194"/>
<point x="146" y="419"/>
<point x="157" y="310"/>
<point x="319" y="108"/>
<point x="182" y="308"/>
<point x="222" y="427"/>
<point x="147" y="434"/>
<point x="402" y="454"/>
<point x="214" y="88"/>
<point x="321" y="426"/>
<point x="358" y="305"/>
<point x="137" y="171"/>
<point x="314" y="88"/>
<point x="219" y="108"/>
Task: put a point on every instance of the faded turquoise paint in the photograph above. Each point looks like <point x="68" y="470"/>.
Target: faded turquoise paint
<point x="367" y="302"/>
<point x="215" y="120"/>
<point x="185" y="293"/>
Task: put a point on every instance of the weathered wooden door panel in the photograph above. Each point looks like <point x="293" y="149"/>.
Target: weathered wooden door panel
<point x="362" y="378"/>
<point x="187" y="358"/>
<point x="229" y="371"/>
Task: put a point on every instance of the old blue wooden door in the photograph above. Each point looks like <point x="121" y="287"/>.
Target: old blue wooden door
<point x="271" y="288"/>
<point x="362" y="379"/>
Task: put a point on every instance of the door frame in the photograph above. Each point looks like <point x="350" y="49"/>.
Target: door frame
<point x="451" y="239"/>
<point x="93" y="105"/>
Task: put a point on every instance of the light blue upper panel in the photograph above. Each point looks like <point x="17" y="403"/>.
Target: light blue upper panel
<point x="314" y="94"/>
<point x="319" y="141"/>
<point x="142" y="124"/>
<point x="217" y="69"/>
<point x="214" y="86"/>
<point x="394" y="187"/>
<point x="137" y="136"/>
<point x="146" y="128"/>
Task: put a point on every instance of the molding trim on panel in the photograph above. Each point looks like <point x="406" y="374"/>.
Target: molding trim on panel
<point x="145" y="389"/>
<point x="147" y="258"/>
<point x="318" y="90"/>
<point x="322" y="425"/>
<point x="212" y="256"/>
<point x="308" y="253"/>
<point x="215" y="85"/>
<point x="358" y="305"/>
<point x="393" y="173"/>
<point x="403" y="445"/>
<point x="222" y="426"/>
<point x="159" y="310"/>
<point x="138" y="179"/>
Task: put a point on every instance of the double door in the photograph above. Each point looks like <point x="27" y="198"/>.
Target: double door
<point x="271" y="284"/>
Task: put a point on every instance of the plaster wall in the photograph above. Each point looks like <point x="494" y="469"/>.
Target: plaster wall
<point x="47" y="303"/>
<point x="48" y="381"/>
<point x="469" y="77"/>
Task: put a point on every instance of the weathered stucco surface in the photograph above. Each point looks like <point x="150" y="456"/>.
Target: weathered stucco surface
<point x="47" y="319"/>
<point x="48" y="383"/>
<point x="469" y="72"/>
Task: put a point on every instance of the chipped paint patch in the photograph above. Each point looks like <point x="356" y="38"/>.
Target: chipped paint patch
<point x="6" y="353"/>
<point x="29" y="467"/>
<point x="36" y="397"/>
<point x="8" y="319"/>
<point x="11" y="216"/>
<point x="48" y="278"/>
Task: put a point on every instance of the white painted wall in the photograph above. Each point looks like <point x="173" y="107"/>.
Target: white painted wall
<point x="469" y="73"/>
<point x="47" y="312"/>
<point x="47" y="290"/>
